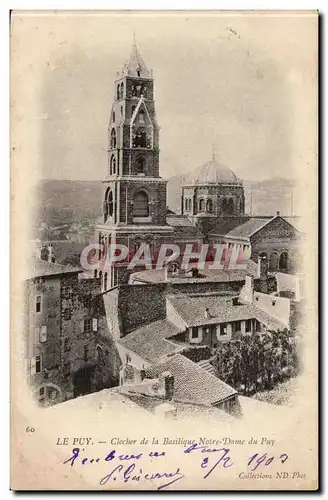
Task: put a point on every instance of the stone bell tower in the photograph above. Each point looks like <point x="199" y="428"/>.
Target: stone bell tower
<point x="134" y="196"/>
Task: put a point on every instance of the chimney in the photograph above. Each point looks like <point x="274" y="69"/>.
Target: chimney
<point x="38" y="252"/>
<point x="207" y="313"/>
<point x="168" y="382"/>
<point x="51" y="257"/>
<point x="258" y="271"/>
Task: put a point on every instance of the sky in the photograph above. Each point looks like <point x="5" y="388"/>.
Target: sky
<point x="245" y="83"/>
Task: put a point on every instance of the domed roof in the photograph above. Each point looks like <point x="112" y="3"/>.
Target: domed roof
<point x="212" y="172"/>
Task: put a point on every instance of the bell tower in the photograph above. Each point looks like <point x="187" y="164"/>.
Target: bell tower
<point x="134" y="195"/>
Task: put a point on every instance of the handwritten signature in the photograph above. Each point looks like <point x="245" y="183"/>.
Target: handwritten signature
<point x="210" y="459"/>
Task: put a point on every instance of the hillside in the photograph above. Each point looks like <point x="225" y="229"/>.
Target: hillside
<point x="59" y="202"/>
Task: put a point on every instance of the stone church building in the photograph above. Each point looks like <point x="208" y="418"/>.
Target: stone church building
<point x="134" y="195"/>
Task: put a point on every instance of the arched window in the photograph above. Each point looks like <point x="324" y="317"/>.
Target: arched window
<point x="209" y="206"/>
<point x="121" y="110"/>
<point x="273" y="266"/>
<point x="108" y="205"/>
<point x="112" y="166"/>
<point x="230" y="206"/>
<point x="142" y="117"/>
<point x="189" y="204"/>
<point x="100" y="274"/>
<point x="186" y="204"/>
<point x="122" y="90"/>
<point x="138" y="72"/>
<point x="113" y="116"/>
<point x="140" y="204"/>
<point x="105" y="281"/>
<point x="118" y="92"/>
<point x="201" y="205"/>
<point x="283" y="261"/>
<point x="113" y="139"/>
<point x="140" y="138"/>
<point x="140" y="166"/>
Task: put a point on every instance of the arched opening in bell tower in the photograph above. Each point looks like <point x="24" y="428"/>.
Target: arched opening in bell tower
<point x="140" y="204"/>
<point x="108" y="204"/>
<point x="113" y="138"/>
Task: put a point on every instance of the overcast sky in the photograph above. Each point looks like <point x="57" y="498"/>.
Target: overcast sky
<point x="243" y="83"/>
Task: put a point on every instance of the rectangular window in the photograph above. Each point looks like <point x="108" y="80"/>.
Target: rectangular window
<point x="87" y="325"/>
<point x="43" y="334"/>
<point x="67" y="292"/>
<point x="194" y="332"/>
<point x="248" y="326"/>
<point x="67" y="314"/>
<point x="38" y="304"/>
<point x="223" y="329"/>
<point x="236" y="326"/>
<point x="66" y="345"/>
<point x="38" y="364"/>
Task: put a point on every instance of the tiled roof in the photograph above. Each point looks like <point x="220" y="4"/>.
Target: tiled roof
<point x="207" y="275"/>
<point x="191" y="308"/>
<point x="149" y="342"/>
<point x="41" y="268"/>
<point x="183" y="227"/>
<point x="184" y="409"/>
<point x="191" y="382"/>
<point x="248" y="228"/>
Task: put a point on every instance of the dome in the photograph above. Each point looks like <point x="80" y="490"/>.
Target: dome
<point x="212" y="172"/>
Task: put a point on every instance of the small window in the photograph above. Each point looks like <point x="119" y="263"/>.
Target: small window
<point x="194" y="332"/>
<point x="67" y="314"/>
<point x="248" y="326"/>
<point x="223" y="329"/>
<point x="67" y="292"/>
<point x="121" y="110"/>
<point x="257" y="299"/>
<point x="87" y="325"/>
<point x="38" y="304"/>
<point x="43" y="334"/>
<point x="273" y="302"/>
<point x="236" y="326"/>
<point x="38" y="364"/>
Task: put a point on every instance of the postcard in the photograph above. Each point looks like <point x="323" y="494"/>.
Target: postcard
<point x="164" y="250"/>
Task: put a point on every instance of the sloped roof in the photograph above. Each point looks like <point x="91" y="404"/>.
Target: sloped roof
<point x="191" y="382"/>
<point x="149" y="342"/>
<point x="191" y="308"/>
<point x="136" y="63"/>
<point x="41" y="268"/>
<point x="248" y="228"/>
